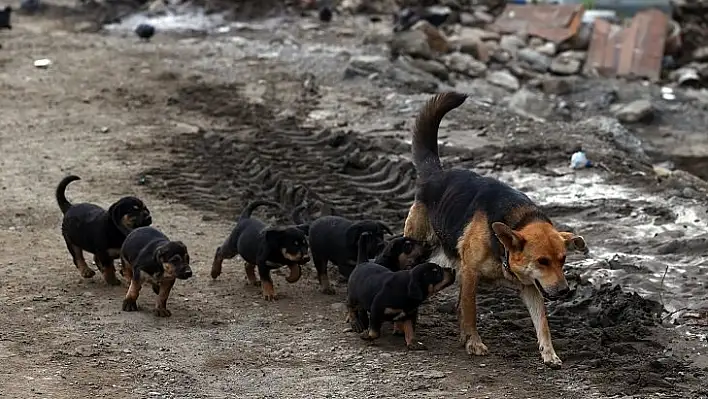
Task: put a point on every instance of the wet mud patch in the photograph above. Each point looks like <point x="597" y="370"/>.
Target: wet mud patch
<point x="609" y="338"/>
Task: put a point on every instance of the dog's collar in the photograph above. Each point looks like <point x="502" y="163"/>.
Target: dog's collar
<point x="505" y="261"/>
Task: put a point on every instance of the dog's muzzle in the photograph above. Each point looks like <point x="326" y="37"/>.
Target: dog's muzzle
<point x="185" y="273"/>
<point x="553" y="293"/>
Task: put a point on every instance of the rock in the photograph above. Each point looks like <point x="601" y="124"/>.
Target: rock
<point x="484" y="17"/>
<point x="467" y="19"/>
<point x="636" y="111"/>
<point x="700" y="54"/>
<point x="436" y="39"/>
<point x="471" y="45"/>
<point x="511" y="43"/>
<point x="520" y="71"/>
<point x="531" y="105"/>
<point x="620" y="136"/>
<point x="411" y="42"/>
<point x="558" y="85"/>
<point x="548" y="49"/>
<point x="480" y="34"/>
<point x="535" y="42"/>
<point x="536" y="60"/>
<point x="365" y="65"/>
<point x="409" y="78"/>
<point x="430" y="374"/>
<point x="465" y="64"/>
<point x="157" y="7"/>
<point x="501" y="56"/>
<point x="432" y="67"/>
<point x="503" y="79"/>
<point x="564" y="64"/>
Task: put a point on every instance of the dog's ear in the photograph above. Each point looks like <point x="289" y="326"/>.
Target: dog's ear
<point x="353" y="233"/>
<point x="510" y="239"/>
<point x="181" y="245"/>
<point x="574" y="243"/>
<point x="385" y="228"/>
<point x="408" y="246"/>
<point x="305" y="228"/>
<point x="114" y="212"/>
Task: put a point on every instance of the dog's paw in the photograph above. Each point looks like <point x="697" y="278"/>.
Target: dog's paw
<point x="328" y="290"/>
<point x="476" y="348"/>
<point x="270" y="297"/>
<point x="87" y="273"/>
<point x="356" y="326"/>
<point x="552" y="360"/>
<point x="162" y="312"/>
<point x="416" y="346"/>
<point x="130" y="305"/>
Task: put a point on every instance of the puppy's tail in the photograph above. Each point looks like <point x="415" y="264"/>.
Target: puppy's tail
<point x="297" y="214"/>
<point x="425" y="132"/>
<point x="255" y="204"/>
<point x="64" y="203"/>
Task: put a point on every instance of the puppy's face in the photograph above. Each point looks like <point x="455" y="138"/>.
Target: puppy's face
<point x="375" y="242"/>
<point x="410" y="252"/>
<point x="434" y="277"/>
<point x="537" y="255"/>
<point x="131" y="213"/>
<point x="293" y="246"/>
<point x="174" y="259"/>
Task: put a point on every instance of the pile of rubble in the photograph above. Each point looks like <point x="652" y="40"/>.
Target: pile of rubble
<point x="526" y="43"/>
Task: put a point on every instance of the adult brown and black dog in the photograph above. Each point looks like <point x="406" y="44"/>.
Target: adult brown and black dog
<point x="486" y="229"/>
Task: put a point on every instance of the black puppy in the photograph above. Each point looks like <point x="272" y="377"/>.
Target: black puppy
<point x="148" y="256"/>
<point x="401" y="253"/>
<point x="5" y="15"/>
<point x="336" y="239"/>
<point x="264" y="247"/>
<point x="376" y="294"/>
<point x="88" y="227"/>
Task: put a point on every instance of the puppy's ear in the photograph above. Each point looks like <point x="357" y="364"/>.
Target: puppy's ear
<point x="407" y="247"/>
<point x="305" y="228"/>
<point x="353" y="233"/>
<point x="181" y="245"/>
<point x="385" y="228"/>
<point x="114" y="212"/>
<point x="414" y="290"/>
<point x="273" y="237"/>
<point x="511" y="240"/>
<point x="160" y="253"/>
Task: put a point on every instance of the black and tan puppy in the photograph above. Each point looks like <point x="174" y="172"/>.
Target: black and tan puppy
<point x="400" y="253"/>
<point x="336" y="239"/>
<point x="148" y="256"/>
<point x="5" y="15"/>
<point x="486" y="229"/>
<point x="88" y="227"/>
<point x="376" y="294"/>
<point x="263" y="247"/>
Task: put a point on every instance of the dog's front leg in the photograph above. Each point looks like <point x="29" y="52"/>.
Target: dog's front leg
<point x="375" y="320"/>
<point x="266" y="282"/>
<point x="468" y="315"/>
<point x="162" y="296"/>
<point x="537" y="309"/>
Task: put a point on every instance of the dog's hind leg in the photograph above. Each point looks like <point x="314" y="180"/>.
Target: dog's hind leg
<point x="77" y="255"/>
<point x="219" y="257"/>
<point x="417" y="224"/>
<point x="537" y="309"/>
<point x="321" y="267"/>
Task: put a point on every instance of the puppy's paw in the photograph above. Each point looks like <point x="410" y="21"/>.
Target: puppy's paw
<point x="476" y="348"/>
<point x="87" y="273"/>
<point x="328" y="290"/>
<point x="112" y="280"/>
<point x="416" y="346"/>
<point x="255" y="283"/>
<point x="215" y="273"/>
<point x="356" y="326"/>
<point x="130" y="305"/>
<point x="162" y="312"/>
<point x="368" y="335"/>
<point x="552" y="360"/>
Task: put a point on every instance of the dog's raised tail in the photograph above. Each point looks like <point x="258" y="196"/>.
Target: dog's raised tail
<point x="64" y="203"/>
<point x="246" y="213"/>
<point x="425" y="132"/>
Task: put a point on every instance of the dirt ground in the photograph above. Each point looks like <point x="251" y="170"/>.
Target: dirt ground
<point x="162" y="120"/>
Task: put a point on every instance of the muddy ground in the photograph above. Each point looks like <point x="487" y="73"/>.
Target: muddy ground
<point x="199" y="126"/>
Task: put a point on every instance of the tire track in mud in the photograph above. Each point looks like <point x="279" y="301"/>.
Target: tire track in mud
<point x="607" y="337"/>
